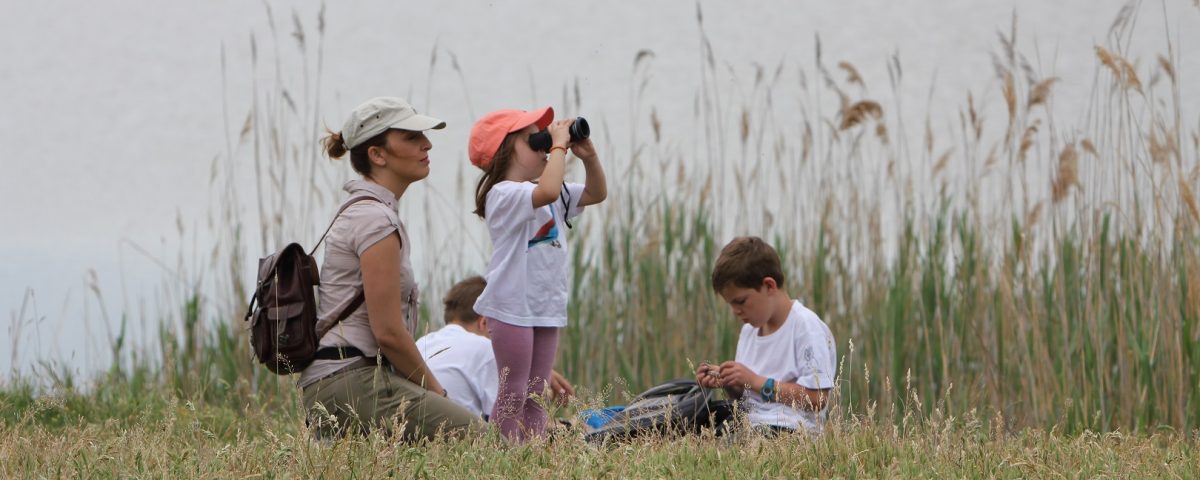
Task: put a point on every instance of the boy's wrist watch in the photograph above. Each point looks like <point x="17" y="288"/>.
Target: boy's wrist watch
<point x="768" y="390"/>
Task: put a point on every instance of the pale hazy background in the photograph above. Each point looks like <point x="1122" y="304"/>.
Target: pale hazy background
<point x="112" y="113"/>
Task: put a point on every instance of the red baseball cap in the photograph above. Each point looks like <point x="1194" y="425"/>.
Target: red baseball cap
<point x="489" y="132"/>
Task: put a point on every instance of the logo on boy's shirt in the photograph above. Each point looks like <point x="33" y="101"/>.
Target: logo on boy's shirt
<point x="547" y="234"/>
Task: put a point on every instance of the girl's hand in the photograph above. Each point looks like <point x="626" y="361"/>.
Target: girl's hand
<point x="560" y="135"/>
<point x="584" y="150"/>
<point x="736" y="375"/>
<point x="560" y="389"/>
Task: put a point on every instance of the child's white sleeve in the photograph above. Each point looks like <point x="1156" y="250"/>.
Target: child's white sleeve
<point x="510" y="203"/>
<point x="815" y="353"/>
<point x="575" y="191"/>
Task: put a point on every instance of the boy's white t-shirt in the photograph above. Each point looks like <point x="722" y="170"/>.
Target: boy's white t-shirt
<point x="802" y="351"/>
<point x="464" y="364"/>
<point x="527" y="278"/>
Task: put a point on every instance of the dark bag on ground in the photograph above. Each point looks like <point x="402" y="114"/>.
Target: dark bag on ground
<point x="283" y="324"/>
<point x="675" y="407"/>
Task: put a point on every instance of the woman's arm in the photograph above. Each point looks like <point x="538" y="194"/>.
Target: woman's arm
<point x="385" y="312"/>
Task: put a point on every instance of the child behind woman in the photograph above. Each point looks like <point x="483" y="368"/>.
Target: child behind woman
<point x="522" y="198"/>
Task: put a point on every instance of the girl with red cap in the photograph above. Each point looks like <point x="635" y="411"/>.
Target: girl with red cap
<point x="522" y="198"/>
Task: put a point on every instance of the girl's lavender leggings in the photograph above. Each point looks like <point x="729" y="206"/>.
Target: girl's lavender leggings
<point x="524" y="357"/>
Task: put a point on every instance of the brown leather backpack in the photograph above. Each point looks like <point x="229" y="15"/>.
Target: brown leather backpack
<point x="283" y="325"/>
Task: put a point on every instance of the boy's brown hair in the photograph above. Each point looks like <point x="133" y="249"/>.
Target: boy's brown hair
<point x="460" y="300"/>
<point x="745" y="262"/>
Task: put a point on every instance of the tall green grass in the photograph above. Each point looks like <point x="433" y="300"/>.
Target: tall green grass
<point x="1024" y="271"/>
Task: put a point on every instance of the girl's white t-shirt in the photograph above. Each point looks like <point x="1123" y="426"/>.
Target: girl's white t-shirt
<point x="801" y="351"/>
<point x="529" y="274"/>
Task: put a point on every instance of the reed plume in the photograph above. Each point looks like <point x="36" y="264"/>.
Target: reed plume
<point x="859" y="111"/>
<point x="1068" y="166"/>
<point x="1041" y="92"/>
<point x="852" y="76"/>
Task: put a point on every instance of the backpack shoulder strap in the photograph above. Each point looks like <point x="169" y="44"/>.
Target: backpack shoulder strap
<point x="361" y="296"/>
<point x="346" y="205"/>
<point x="344" y="314"/>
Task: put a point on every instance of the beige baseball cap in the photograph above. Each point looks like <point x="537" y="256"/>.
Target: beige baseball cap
<point x="378" y="114"/>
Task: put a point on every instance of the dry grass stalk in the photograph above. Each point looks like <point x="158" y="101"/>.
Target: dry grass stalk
<point x="1189" y="199"/>
<point x="1121" y="69"/>
<point x="942" y="161"/>
<point x="859" y="111"/>
<point x="881" y="132"/>
<point x="852" y="75"/>
<point x="1109" y="61"/>
<point x="1167" y="66"/>
<point x="1088" y="147"/>
<point x="1131" y="76"/>
<point x="806" y="142"/>
<point x="1027" y="139"/>
<point x="656" y="125"/>
<point x="1068" y="167"/>
<point x="928" y="136"/>
<point x="1010" y="97"/>
<point x="745" y="125"/>
<point x="992" y="158"/>
<point x="1041" y="91"/>
<point x="1161" y="145"/>
<point x="976" y="121"/>
<point x="1033" y="215"/>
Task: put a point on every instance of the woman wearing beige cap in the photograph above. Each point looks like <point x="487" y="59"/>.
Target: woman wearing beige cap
<point x="369" y="373"/>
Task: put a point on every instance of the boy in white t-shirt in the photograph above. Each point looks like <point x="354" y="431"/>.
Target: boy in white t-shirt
<point x="460" y="354"/>
<point x="786" y="358"/>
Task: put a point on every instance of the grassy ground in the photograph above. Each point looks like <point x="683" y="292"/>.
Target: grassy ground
<point x="83" y="437"/>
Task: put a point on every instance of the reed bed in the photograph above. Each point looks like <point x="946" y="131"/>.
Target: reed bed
<point x="1027" y="270"/>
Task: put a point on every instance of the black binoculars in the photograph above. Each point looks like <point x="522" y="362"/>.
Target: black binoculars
<point x="542" y="142"/>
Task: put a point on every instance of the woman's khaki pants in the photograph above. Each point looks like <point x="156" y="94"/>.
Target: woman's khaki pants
<point x="369" y="398"/>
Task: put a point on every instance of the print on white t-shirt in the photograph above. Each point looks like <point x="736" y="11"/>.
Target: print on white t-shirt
<point x="548" y="233"/>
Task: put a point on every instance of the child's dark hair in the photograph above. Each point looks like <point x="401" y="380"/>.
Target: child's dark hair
<point x="495" y="172"/>
<point x="335" y="147"/>
<point x="460" y="300"/>
<point x="745" y="262"/>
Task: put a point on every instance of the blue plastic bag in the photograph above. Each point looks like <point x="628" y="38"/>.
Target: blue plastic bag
<point x="596" y="418"/>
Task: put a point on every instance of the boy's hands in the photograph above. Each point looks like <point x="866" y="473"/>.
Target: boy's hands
<point x="706" y="376"/>
<point x="735" y="375"/>
<point x="729" y="374"/>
